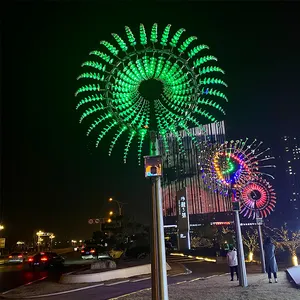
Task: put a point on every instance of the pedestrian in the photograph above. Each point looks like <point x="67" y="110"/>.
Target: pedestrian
<point x="232" y="262"/>
<point x="271" y="264"/>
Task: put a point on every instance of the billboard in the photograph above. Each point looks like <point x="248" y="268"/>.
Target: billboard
<point x="183" y="223"/>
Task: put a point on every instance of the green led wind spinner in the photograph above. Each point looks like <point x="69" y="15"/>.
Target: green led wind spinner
<point x="112" y="98"/>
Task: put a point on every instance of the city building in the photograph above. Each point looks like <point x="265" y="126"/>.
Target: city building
<point x="289" y="162"/>
<point x="183" y="171"/>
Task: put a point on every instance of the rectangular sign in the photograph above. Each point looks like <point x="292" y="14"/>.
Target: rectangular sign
<point x="183" y="223"/>
<point x="153" y="166"/>
<point x="2" y="243"/>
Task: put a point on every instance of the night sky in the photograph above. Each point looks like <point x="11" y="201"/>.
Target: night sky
<point x="52" y="177"/>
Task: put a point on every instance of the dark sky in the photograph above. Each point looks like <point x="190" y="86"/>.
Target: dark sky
<point x="51" y="179"/>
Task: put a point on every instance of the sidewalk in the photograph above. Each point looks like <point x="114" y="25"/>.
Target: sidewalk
<point x="221" y="288"/>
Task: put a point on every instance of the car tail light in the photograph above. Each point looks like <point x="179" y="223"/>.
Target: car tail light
<point x="30" y="259"/>
<point x="92" y="251"/>
<point x="20" y="256"/>
<point x="10" y="256"/>
<point x="44" y="258"/>
<point x="82" y="251"/>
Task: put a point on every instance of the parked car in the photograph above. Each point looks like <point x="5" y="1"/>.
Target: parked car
<point x="17" y="257"/>
<point x="46" y="260"/>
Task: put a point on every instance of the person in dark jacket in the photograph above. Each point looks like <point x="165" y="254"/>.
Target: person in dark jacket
<point x="271" y="264"/>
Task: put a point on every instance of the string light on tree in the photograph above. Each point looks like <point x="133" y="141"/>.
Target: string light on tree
<point x="112" y="96"/>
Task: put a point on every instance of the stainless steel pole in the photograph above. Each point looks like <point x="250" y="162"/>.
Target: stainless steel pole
<point x="154" y="246"/>
<point x="261" y="247"/>
<point x="158" y="251"/>
<point x="240" y="250"/>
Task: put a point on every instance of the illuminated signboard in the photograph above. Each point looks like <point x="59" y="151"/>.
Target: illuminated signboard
<point x="183" y="224"/>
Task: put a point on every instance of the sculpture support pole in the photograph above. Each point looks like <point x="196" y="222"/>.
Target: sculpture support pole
<point x="239" y="241"/>
<point x="261" y="245"/>
<point x="158" y="251"/>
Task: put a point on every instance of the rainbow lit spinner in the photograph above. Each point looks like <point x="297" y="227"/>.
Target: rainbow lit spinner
<point x="257" y="198"/>
<point x="112" y="100"/>
<point x="233" y="164"/>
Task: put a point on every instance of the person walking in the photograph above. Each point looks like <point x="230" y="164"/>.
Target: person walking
<point x="232" y="262"/>
<point x="271" y="264"/>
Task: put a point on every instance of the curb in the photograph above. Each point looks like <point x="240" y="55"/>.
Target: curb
<point x="108" y="275"/>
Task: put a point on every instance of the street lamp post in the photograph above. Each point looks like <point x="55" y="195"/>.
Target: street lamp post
<point x="120" y="205"/>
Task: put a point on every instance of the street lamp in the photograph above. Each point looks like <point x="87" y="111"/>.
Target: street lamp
<point x="109" y="221"/>
<point x="120" y="205"/>
<point x="111" y="213"/>
<point x="1" y="227"/>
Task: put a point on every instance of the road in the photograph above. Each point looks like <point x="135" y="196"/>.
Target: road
<point x="109" y="291"/>
<point x="12" y="276"/>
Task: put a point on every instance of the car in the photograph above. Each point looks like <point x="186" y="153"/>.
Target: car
<point x="94" y="253"/>
<point x="46" y="260"/>
<point x="17" y="257"/>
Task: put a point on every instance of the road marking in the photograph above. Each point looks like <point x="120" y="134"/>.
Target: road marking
<point x="65" y="292"/>
<point x="129" y="294"/>
<point x="137" y="280"/>
<point x="115" y="283"/>
<point x="211" y="276"/>
<point x="28" y="283"/>
<point x="31" y="282"/>
<point x="199" y="278"/>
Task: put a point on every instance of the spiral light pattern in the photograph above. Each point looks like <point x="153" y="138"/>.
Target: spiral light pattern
<point x="257" y="198"/>
<point x="233" y="164"/>
<point x="111" y="98"/>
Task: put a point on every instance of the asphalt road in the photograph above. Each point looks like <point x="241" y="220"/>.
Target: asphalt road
<point x="12" y="276"/>
<point x="107" y="291"/>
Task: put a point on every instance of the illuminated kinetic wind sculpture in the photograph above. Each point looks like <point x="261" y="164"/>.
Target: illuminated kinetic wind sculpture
<point x="234" y="164"/>
<point x="112" y="100"/>
<point x="257" y="198"/>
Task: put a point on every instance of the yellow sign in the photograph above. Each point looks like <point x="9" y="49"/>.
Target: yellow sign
<point x="2" y="243"/>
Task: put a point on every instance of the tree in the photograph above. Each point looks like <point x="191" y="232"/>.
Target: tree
<point x="201" y="242"/>
<point x="250" y="241"/>
<point x="289" y="240"/>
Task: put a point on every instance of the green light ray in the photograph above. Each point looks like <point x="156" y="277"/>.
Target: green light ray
<point x="89" y="99"/>
<point x="103" y="56"/>
<point x="105" y="130"/>
<point x="130" y="36"/>
<point x="186" y="43"/>
<point x="165" y="35"/>
<point x="153" y="37"/>
<point x="98" y="121"/>
<point x="127" y="146"/>
<point x="176" y="37"/>
<point x="115" y="139"/>
<point x="112" y="49"/>
<point x="92" y="110"/>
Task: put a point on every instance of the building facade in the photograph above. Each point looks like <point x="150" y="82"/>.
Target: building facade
<point x="290" y="164"/>
<point x="183" y="171"/>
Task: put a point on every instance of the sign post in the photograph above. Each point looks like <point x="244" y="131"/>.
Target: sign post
<point x="183" y="223"/>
